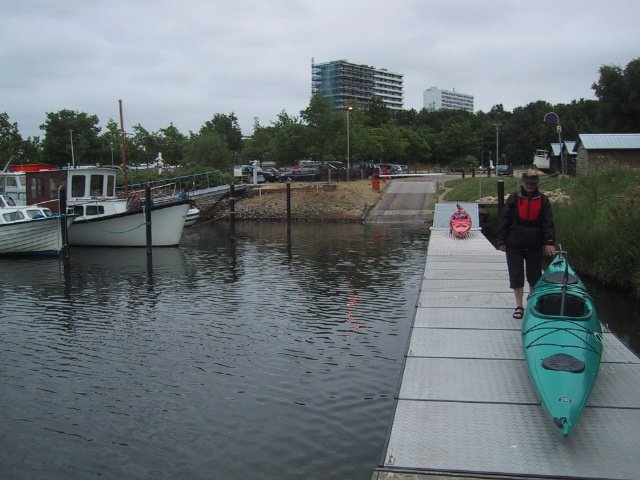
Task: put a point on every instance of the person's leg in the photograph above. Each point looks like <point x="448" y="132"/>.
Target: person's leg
<point x="515" y="264"/>
<point x="533" y="261"/>
<point x="519" y="293"/>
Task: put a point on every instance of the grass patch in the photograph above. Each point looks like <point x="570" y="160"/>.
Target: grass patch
<point x="599" y="227"/>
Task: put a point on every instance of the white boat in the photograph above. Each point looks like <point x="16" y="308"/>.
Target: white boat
<point x="28" y="230"/>
<point x="193" y="214"/>
<point x="541" y="159"/>
<point x="101" y="218"/>
<point x="106" y="220"/>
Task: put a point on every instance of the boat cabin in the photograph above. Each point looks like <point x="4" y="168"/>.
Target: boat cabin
<point x="12" y="213"/>
<point x="84" y="185"/>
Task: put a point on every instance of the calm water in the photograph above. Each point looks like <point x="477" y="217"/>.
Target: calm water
<point x="247" y="359"/>
<point x="226" y="360"/>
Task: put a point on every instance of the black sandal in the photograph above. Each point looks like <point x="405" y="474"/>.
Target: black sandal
<point x="518" y="313"/>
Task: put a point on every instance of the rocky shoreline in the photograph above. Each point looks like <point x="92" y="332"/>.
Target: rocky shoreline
<point x="310" y="202"/>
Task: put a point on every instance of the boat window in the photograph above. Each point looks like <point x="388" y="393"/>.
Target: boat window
<point x="11" y="182"/>
<point x="34" y="213"/>
<point x="53" y="187"/>
<point x="97" y="185"/>
<point x="95" y="210"/>
<point x="78" y="210"/>
<point x="10" y="201"/>
<point x="34" y="188"/>
<point x="13" y="216"/>
<point x="111" y="186"/>
<point x="77" y="186"/>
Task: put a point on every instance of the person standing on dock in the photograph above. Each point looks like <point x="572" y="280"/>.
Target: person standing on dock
<point x="525" y="229"/>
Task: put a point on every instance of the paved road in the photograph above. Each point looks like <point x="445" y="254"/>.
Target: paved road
<point x="406" y="200"/>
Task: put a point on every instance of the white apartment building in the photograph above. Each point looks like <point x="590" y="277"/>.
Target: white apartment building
<point x="437" y="99"/>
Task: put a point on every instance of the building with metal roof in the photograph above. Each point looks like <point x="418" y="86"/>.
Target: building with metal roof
<point x="595" y="150"/>
<point x="566" y="153"/>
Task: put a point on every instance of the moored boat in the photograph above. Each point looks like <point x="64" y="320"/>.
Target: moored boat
<point x="562" y="341"/>
<point x="460" y="222"/>
<point x="28" y="230"/>
<point x="100" y="216"/>
<point x="106" y="220"/>
<point x="193" y="214"/>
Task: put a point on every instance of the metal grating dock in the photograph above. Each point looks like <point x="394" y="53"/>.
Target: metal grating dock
<point x="466" y="407"/>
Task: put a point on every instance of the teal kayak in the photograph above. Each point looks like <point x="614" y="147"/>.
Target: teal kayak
<point x="562" y="341"/>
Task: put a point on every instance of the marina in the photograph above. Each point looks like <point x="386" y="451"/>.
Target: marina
<point x="466" y="407"/>
<point x="278" y="351"/>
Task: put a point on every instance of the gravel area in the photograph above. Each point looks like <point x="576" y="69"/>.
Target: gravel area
<point x="329" y="202"/>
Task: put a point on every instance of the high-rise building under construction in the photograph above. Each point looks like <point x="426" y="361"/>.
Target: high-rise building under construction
<point x="346" y="83"/>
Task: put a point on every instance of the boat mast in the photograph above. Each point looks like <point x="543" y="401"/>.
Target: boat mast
<point x="123" y="152"/>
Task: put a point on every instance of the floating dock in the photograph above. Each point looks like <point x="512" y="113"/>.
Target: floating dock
<point x="466" y="408"/>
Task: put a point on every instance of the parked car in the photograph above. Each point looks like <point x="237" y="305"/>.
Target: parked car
<point x="504" y="170"/>
<point x="296" y="173"/>
<point x="245" y="172"/>
<point x="270" y="174"/>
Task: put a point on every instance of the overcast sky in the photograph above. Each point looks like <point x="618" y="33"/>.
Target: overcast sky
<point x="182" y="61"/>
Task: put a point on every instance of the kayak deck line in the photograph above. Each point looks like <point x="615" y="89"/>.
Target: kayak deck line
<point x="466" y="407"/>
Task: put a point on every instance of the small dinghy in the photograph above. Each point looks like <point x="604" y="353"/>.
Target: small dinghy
<point x="562" y="340"/>
<point x="460" y="222"/>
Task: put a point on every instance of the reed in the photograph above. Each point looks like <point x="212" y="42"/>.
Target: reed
<point x="600" y="228"/>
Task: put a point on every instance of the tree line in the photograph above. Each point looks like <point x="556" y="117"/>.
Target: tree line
<point x="446" y="138"/>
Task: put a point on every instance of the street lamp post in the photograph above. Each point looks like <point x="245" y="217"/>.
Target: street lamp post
<point x="349" y="110"/>
<point x="497" y="147"/>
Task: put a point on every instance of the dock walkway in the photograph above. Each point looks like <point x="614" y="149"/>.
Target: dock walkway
<point x="466" y="407"/>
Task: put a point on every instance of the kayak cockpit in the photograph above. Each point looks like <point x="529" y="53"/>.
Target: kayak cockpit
<point x="563" y="305"/>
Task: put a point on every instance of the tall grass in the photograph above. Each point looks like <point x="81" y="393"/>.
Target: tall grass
<point x="599" y="228"/>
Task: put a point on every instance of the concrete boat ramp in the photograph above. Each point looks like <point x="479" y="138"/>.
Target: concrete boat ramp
<point x="466" y="409"/>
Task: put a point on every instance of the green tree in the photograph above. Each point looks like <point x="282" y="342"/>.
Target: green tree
<point x="418" y="149"/>
<point x="323" y="126"/>
<point x="579" y="116"/>
<point x="208" y="149"/>
<point x="111" y="140"/>
<point x="172" y="144"/>
<point x="261" y="145"/>
<point x="228" y="127"/>
<point x="144" y="146"/>
<point x="366" y="144"/>
<point x="66" y="128"/>
<point x="11" y="144"/>
<point x="525" y="132"/>
<point x="619" y="98"/>
<point x="456" y="144"/>
<point x="290" y="139"/>
<point x="378" y="114"/>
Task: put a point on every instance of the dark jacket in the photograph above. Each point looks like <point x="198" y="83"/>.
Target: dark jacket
<point x="526" y="221"/>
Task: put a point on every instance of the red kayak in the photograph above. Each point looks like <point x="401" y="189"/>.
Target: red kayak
<point x="460" y="222"/>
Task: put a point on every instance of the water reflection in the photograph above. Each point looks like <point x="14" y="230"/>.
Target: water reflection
<point x="619" y="312"/>
<point x="263" y="357"/>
